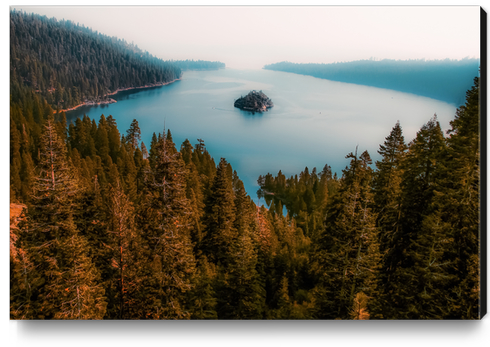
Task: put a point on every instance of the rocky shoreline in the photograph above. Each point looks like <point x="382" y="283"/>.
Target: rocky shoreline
<point x="112" y="101"/>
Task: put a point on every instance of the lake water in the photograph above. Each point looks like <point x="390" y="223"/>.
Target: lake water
<point x="313" y="122"/>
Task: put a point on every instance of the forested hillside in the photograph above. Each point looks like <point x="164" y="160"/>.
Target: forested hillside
<point x="68" y="64"/>
<point x="198" y="64"/>
<point x="445" y="80"/>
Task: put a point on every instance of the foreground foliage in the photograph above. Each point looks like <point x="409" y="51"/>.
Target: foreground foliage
<point x="114" y="231"/>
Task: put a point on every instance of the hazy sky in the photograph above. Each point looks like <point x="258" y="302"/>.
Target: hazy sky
<point x="250" y="37"/>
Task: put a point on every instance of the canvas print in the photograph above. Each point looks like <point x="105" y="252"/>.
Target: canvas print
<point x="265" y="163"/>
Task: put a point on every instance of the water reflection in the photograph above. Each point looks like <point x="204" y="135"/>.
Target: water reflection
<point x="252" y="115"/>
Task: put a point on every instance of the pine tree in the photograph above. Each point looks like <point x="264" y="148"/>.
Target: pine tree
<point x="447" y="246"/>
<point x="165" y="219"/>
<point x="194" y="192"/>
<point x="219" y="217"/>
<point x="102" y="141"/>
<point x="65" y="281"/>
<point x="61" y="126"/>
<point x="240" y="295"/>
<point x="124" y="245"/>
<point x="128" y="170"/>
<point x="75" y="292"/>
<point x="284" y="306"/>
<point x="22" y="269"/>
<point x="114" y="138"/>
<point x="205" y="166"/>
<point x="90" y="218"/>
<point x="134" y="134"/>
<point x="144" y="150"/>
<point x="420" y="178"/>
<point x="387" y="198"/>
<point x="153" y="150"/>
<point x="243" y="213"/>
<point x="203" y="296"/>
<point x="347" y="256"/>
<point x="387" y="190"/>
<point x="460" y="200"/>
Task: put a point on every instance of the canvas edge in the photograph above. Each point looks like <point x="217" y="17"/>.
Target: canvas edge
<point x="483" y="163"/>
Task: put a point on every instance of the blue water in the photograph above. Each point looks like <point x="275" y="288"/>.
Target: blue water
<point x="314" y="121"/>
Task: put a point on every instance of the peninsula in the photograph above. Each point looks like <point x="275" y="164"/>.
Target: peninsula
<point x="254" y="101"/>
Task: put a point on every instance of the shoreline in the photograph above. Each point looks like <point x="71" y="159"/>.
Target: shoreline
<point x="112" y="101"/>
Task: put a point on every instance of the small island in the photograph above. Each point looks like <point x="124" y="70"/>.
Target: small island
<point x="254" y="101"/>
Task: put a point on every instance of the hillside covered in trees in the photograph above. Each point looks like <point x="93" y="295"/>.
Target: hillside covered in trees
<point x="445" y="80"/>
<point x="185" y="65"/>
<point x="67" y="64"/>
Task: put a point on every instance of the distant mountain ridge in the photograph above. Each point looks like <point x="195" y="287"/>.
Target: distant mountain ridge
<point x="198" y="65"/>
<point x="445" y="80"/>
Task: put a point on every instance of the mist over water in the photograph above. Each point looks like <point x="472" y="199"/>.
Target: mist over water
<point x="313" y="122"/>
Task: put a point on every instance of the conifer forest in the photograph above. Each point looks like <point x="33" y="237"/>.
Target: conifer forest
<point x="104" y="226"/>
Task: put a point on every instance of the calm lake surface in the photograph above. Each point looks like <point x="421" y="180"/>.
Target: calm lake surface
<point x="313" y="122"/>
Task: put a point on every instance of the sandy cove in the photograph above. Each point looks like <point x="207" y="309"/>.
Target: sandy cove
<point x="111" y="101"/>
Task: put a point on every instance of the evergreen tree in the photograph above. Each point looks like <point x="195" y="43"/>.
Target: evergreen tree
<point x="458" y="203"/>
<point x="153" y="150"/>
<point x="284" y="309"/>
<point x="134" y="134"/>
<point x="203" y="296"/>
<point x="347" y="255"/>
<point x="124" y="245"/>
<point x="165" y="219"/>
<point x="65" y="281"/>
<point x="22" y="270"/>
<point x="114" y="138"/>
<point x="419" y="180"/>
<point x="144" y="151"/>
<point x="219" y="217"/>
<point x="102" y="141"/>
<point x="128" y="170"/>
<point x="387" y="185"/>
<point x="387" y="198"/>
<point x="447" y="245"/>
<point x="243" y="214"/>
<point x="75" y="291"/>
<point x="240" y="295"/>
